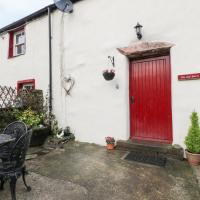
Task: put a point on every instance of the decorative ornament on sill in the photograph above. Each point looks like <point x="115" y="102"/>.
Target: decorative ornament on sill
<point x="109" y="74"/>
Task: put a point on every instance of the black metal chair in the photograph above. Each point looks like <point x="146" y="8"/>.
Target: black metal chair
<point x="15" y="129"/>
<point x="14" y="166"/>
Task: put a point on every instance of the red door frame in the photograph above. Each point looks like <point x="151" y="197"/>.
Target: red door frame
<point x="170" y="140"/>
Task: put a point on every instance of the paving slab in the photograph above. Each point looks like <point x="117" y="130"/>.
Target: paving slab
<point x="196" y="170"/>
<point x="44" y="188"/>
<point x="106" y="176"/>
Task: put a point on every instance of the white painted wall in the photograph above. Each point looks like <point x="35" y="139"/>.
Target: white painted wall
<point x="82" y="41"/>
<point x="96" y="108"/>
<point x="32" y="65"/>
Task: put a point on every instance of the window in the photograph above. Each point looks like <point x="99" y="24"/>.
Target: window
<point x="26" y="85"/>
<point x="17" y="43"/>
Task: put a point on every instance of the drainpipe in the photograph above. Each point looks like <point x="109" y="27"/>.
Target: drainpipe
<point x="50" y="64"/>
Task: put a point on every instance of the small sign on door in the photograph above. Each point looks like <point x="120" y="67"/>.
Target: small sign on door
<point x="186" y="77"/>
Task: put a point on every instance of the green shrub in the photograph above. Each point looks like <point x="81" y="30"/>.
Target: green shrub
<point x="192" y="140"/>
<point x="7" y="116"/>
<point x="31" y="118"/>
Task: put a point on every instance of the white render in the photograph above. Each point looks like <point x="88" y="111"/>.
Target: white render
<point x="83" y="40"/>
<point x="34" y="64"/>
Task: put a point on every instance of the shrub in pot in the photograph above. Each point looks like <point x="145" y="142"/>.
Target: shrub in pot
<point x="192" y="141"/>
<point x="35" y="121"/>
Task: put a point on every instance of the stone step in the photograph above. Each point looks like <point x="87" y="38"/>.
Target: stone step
<point x="170" y="151"/>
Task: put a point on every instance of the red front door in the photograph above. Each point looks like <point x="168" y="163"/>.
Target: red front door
<point x="150" y="100"/>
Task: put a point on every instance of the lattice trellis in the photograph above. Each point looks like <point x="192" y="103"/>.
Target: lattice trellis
<point x="30" y="99"/>
<point x="10" y="99"/>
<point x="7" y="96"/>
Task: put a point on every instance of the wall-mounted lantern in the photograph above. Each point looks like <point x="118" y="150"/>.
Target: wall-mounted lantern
<point x="138" y="29"/>
<point x="110" y="74"/>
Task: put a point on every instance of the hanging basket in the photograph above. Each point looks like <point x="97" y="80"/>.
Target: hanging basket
<point x="109" y="74"/>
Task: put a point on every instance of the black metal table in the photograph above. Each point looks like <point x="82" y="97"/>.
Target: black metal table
<point x="5" y="139"/>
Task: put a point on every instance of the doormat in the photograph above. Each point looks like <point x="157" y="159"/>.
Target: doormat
<point x="146" y="158"/>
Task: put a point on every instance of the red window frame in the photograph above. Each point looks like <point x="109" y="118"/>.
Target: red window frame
<point x="11" y="41"/>
<point x="23" y="82"/>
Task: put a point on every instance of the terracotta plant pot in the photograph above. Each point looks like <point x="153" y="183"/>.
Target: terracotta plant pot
<point x="110" y="146"/>
<point x="193" y="159"/>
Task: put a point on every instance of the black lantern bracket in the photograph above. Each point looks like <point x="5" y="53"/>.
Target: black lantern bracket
<point x="138" y="29"/>
<point x="112" y="60"/>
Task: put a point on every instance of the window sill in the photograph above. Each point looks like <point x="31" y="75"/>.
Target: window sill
<point x="16" y="56"/>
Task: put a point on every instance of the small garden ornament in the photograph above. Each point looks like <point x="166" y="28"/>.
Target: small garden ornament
<point x="192" y="141"/>
<point x="110" y="143"/>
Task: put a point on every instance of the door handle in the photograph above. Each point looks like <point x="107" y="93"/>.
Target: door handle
<point x="132" y="99"/>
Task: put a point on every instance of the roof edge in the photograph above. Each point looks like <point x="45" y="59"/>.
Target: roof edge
<point x="30" y="17"/>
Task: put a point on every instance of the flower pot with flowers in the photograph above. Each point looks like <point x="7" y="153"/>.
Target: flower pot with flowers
<point x="109" y="74"/>
<point x="110" y="143"/>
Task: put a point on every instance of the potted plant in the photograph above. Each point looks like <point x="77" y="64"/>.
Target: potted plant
<point x="35" y="121"/>
<point x="109" y="74"/>
<point x="110" y="143"/>
<point x="192" y="141"/>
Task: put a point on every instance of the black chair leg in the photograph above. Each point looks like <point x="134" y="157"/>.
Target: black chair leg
<point x="24" y="172"/>
<point x="2" y="184"/>
<point x="13" y="181"/>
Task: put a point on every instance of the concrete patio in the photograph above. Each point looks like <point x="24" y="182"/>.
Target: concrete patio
<point x="84" y="171"/>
